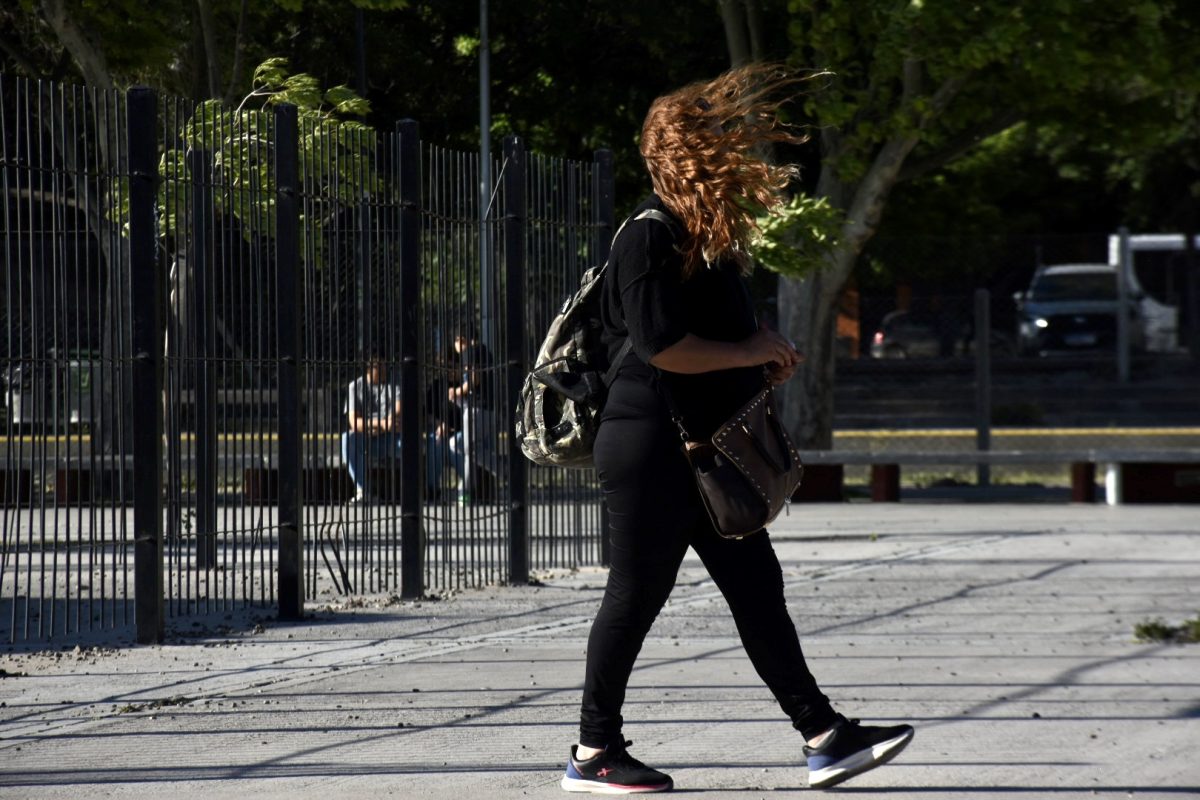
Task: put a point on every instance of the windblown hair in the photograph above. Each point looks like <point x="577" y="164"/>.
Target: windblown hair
<point x="703" y="146"/>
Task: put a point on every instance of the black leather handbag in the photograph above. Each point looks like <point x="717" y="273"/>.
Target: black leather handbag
<point x="748" y="470"/>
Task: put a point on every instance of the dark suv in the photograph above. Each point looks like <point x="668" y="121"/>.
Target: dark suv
<point x="1072" y="307"/>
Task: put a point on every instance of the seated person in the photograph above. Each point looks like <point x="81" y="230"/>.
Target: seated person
<point x="474" y="446"/>
<point x="373" y="411"/>
<point x="443" y="447"/>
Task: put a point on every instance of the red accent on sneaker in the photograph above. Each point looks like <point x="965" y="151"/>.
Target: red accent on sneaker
<point x="604" y="772"/>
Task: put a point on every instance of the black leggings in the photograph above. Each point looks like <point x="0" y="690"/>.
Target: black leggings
<point x="655" y="513"/>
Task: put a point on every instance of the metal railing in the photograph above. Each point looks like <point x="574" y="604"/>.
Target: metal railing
<point x="189" y="294"/>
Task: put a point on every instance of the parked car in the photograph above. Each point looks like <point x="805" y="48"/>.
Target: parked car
<point x="904" y="334"/>
<point x="1073" y="307"/>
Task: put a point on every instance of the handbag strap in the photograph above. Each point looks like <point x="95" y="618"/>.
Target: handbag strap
<point x="672" y="407"/>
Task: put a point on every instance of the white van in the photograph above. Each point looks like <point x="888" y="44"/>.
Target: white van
<point x="1160" y="318"/>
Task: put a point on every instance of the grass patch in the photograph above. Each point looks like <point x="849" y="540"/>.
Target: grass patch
<point x="1156" y="630"/>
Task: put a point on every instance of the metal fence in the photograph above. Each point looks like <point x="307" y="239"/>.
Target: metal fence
<point x="908" y="377"/>
<point x="66" y="551"/>
<point x="191" y="297"/>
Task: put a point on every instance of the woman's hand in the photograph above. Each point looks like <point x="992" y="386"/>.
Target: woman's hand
<point x="777" y="374"/>
<point x="771" y="348"/>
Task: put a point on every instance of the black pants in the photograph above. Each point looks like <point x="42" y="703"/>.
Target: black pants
<point x="655" y="513"/>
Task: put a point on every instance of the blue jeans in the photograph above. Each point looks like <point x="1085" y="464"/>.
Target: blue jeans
<point x="440" y="450"/>
<point x="361" y="449"/>
<point x="358" y="449"/>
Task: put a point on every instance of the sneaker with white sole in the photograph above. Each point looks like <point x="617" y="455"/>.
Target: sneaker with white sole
<point x="613" y="771"/>
<point x="852" y="749"/>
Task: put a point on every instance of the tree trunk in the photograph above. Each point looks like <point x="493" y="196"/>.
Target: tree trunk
<point x="87" y="54"/>
<point x="232" y="93"/>
<point x="733" y="18"/>
<point x="807" y="306"/>
<point x="209" y="34"/>
<point x="807" y="319"/>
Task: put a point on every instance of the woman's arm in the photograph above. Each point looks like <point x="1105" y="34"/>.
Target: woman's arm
<point x="692" y="355"/>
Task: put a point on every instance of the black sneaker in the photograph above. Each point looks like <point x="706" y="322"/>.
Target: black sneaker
<point x="613" y="772"/>
<point x="853" y="748"/>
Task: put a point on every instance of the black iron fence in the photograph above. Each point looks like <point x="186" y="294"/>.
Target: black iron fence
<point x="263" y="356"/>
<point x="266" y="356"/>
<point x="1059" y="373"/>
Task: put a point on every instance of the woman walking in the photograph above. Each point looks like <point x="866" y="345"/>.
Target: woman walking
<point x="676" y="291"/>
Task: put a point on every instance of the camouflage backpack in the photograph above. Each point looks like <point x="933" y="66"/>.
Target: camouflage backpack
<point x="558" y="410"/>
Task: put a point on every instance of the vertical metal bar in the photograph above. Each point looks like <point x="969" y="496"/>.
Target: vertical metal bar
<point x="605" y="217"/>
<point x="147" y="367"/>
<point x="1124" y="267"/>
<point x="983" y="382"/>
<point x="570" y="260"/>
<point x="205" y="391"/>
<point x="412" y="556"/>
<point x="291" y="572"/>
<point x="1191" y="281"/>
<point x="53" y="226"/>
<point x="514" y="282"/>
<point x="487" y="267"/>
<point x="13" y="467"/>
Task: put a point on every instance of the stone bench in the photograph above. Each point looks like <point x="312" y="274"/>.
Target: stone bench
<point x="1131" y="475"/>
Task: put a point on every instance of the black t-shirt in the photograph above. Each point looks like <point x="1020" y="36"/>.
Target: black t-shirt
<point x="645" y="298"/>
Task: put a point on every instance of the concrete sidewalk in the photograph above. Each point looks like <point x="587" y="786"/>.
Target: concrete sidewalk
<point x="1003" y="632"/>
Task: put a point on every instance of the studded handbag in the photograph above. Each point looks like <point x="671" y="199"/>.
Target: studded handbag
<point x="748" y="470"/>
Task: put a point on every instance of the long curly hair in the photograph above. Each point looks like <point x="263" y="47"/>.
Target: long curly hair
<point x="703" y="146"/>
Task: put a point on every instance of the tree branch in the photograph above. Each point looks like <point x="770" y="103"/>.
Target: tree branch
<point x="754" y="27"/>
<point x="87" y="55"/>
<point x="942" y="97"/>
<point x="734" y="20"/>
<point x="209" y="35"/>
<point x="865" y="210"/>
<point x="910" y="80"/>
<point x="239" y="52"/>
<point x="960" y="145"/>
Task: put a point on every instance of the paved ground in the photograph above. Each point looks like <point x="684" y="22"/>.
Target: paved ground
<point x="1003" y="632"/>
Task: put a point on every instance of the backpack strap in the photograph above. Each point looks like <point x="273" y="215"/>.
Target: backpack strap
<point x="611" y="374"/>
<point x="649" y="213"/>
<point x="627" y="345"/>
<point x="655" y="214"/>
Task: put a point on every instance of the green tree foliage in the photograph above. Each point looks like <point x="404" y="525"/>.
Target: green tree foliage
<point x="336" y="149"/>
<point x="991" y="112"/>
<point x="919" y="85"/>
<point x="196" y="49"/>
<point x="798" y="237"/>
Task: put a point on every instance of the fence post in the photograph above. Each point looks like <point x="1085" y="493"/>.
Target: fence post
<point x="287" y="304"/>
<point x="1191" y="283"/>
<point x="605" y="223"/>
<point x="205" y="403"/>
<point x="412" y="552"/>
<point x="147" y="300"/>
<point x="983" y="382"/>
<point x="515" y="295"/>
<point x="1124" y="267"/>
